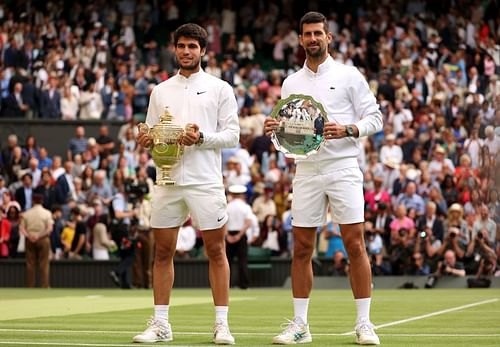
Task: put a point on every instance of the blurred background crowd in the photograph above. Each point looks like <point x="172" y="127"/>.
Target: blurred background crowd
<point x="431" y="176"/>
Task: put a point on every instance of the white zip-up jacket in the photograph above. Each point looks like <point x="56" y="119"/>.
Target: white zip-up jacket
<point x="209" y="102"/>
<point x="347" y="99"/>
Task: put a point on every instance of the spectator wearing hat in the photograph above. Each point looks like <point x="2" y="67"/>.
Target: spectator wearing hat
<point x="455" y="218"/>
<point x="36" y="226"/>
<point x="239" y="221"/>
<point x="440" y="165"/>
<point x="390" y="174"/>
<point x="24" y="194"/>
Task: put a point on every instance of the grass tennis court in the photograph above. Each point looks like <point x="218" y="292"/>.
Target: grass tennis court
<point x="67" y="317"/>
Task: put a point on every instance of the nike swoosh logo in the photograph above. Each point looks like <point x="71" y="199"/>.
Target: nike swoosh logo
<point x="219" y="219"/>
<point x="332" y="88"/>
<point x="198" y="93"/>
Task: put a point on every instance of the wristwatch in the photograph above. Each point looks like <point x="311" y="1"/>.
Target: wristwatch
<point x="201" y="139"/>
<point x="349" y="130"/>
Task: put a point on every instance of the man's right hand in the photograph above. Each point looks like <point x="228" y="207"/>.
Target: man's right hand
<point x="144" y="140"/>
<point x="270" y="125"/>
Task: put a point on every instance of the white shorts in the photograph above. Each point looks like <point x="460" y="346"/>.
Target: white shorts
<point x="206" y="203"/>
<point x="342" y="189"/>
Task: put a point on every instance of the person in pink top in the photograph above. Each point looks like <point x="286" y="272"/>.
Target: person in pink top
<point x="401" y="221"/>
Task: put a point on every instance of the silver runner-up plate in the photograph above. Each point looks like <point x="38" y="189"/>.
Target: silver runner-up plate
<point x="300" y="132"/>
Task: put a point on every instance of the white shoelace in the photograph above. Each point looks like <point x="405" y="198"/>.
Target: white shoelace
<point x="160" y="329"/>
<point x="221" y="328"/>
<point x="289" y="327"/>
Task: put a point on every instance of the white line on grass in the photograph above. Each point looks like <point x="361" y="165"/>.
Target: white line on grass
<point x="193" y="333"/>
<point x="83" y="344"/>
<point x="411" y="319"/>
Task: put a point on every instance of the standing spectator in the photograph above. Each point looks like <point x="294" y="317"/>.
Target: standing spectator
<point x="50" y="100"/>
<point x="69" y="104"/>
<point x="13" y="105"/>
<point x="65" y="187"/>
<point x="264" y="204"/>
<point x="239" y="221"/>
<point x="101" y="243"/>
<point x="472" y="147"/>
<point x="186" y="240"/>
<point x="142" y="275"/>
<point x="36" y="225"/>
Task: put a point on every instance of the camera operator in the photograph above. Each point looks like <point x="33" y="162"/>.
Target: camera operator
<point x="454" y="240"/>
<point x="122" y="216"/>
<point x="450" y="266"/>
<point x="431" y="220"/>
<point x="400" y="251"/>
<point x="427" y="246"/>
<point x="480" y="255"/>
<point x="382" y="222"/>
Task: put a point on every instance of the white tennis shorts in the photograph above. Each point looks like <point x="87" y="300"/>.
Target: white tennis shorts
<point x="342" y="189"/>
<point x="206" y="203"/>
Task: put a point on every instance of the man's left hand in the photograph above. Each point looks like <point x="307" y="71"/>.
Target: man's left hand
<point x="191" y="135"/>
<point x="336" y="131"/>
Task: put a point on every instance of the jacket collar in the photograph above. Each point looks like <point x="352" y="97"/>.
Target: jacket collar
<point x="322" y="68"/>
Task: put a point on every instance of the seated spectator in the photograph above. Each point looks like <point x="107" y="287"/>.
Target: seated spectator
<point x="378" y="195"/>
<point x="401" y="222"/>
<point x="340" y="265"/>
<point x="410" y="199"/>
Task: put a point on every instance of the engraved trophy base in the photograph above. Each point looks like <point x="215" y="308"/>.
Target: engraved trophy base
<point x="165" y="179"/>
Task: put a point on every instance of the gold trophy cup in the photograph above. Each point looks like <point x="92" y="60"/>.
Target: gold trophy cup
<point x="166" y="149"/>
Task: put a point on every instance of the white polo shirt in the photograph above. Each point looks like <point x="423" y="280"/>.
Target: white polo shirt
<point x="209" y="102"/>
<point x="347" y="99"/>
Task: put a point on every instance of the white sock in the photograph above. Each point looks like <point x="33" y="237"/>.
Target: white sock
<point x="363" y="308"/>
<point x="300" y="306"/>
<point x="161" y="313"/>
<point x="221" y="314"/>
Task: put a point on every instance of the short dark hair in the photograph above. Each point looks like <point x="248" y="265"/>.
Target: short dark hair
<point x="313" y="17"/>
<point x="191" y="31"/>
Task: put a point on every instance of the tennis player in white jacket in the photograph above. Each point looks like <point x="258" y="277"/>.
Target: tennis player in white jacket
<point x="208" y="106"/>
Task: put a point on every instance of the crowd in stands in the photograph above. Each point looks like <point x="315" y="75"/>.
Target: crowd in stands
<point x="431" y="176"/>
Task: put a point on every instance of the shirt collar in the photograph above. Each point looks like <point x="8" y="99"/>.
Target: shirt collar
<point x="322" y="68"/>
<point x="192" y="77"/>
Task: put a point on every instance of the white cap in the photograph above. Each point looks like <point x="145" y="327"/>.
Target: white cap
<point x="237" y="189"/>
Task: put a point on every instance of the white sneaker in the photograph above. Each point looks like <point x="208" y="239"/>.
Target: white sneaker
<point x="222" y="335"/>
<point x="155" y="332"/>
<point x="294" y="332"/>
<point x="365" y="334"/>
